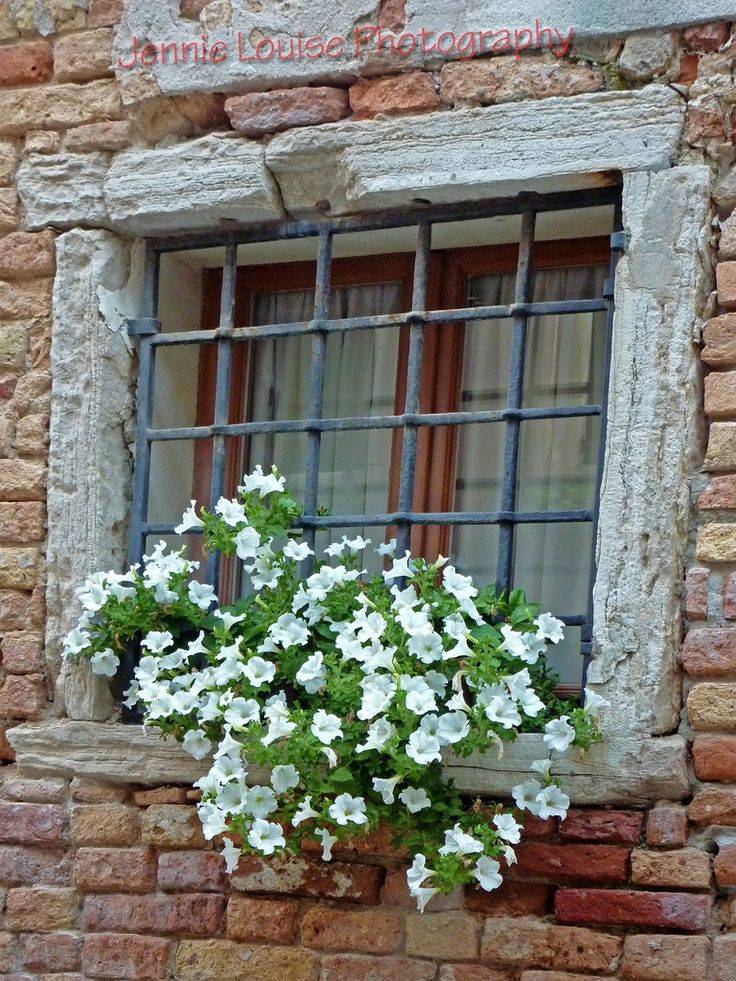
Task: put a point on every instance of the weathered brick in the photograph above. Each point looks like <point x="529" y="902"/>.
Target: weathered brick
<point x="716" y="543"/>
<point x="264" y="920"/>
<point x="395" y="892"/>
<point x="613" y="907"/>
<point x="160" y="795"/>
<point x="22" y="480"/>
<point x="42" y="908"/>
<point x="22" y="696"/>
<point x="379" y="843"/>
<point x="7" y="951"/>
<point x="647" y="55"/>
<point x="42" y="141"/>
<point x="84" y="56"/>
<point x="22" y="653"/>
<point x="370" y="931"/>
<point x="720" y="494"/>
<point x="512" y="898"/>
<point x="8" y="162"/>
<point x="22" y="522"/>
<point x="172" y="826"/>
<point x="51" y="951"/>
<point x="724" y="957"/>
<point x="536" y="827"/>
<point x="27" y="255"/>
<point x="667" y="826"/>
<point x="714" y="758"/>
<point x="14" y="609"/>
<point x="726" y="284"/>
<point x="685" y="868"/>
<point x="228" y="959"/>
<point x="32" y="438"/>
<point x="13" y="344"/>
<point x="88" y="791"/>
<point x="610" y="827"/>
<point x="115" y="870"/>
<point x="720" y="393"/>
<point x="26" y="63"/>
<point x="517" y="942"/>
<point x="712" y="705"/>
<point x="199" y="871"/>
<point x="198" y="914"/>
<point x="18" y="567"/>
<point x="105" y="824"/>
<point x="9" y="210"/>
<point x="301" y="877"/>
<point x="713" y="805"/>
<point x="58" y="106"/>
<point x="696" y="592"/>
<point x="724" y="866"/>
<point x="557" y="976"/>
<point x="665" y="958"/>
<point x="270" y="112"/>
<point x="706" y="37"/>
<point x="359" y="967"/>
<point x="32" y="393"/>
<point x="48" y="790"/>
<point x="567" y="863"/>
<point x="108" y="955"/>
<point x="721" y="452"/>
<point x="23" y="300"/>
<point x="7" y="755"/>
<point x="393" y="95"/>
<point x="445" y="936"/>
<point x="104" y="13"/>
<point x="98" y="136"/>
<point x="35" y="866"/>
<point x="506" y="79"/>
<point x="719" y="337"/>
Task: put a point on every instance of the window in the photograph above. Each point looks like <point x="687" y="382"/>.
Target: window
<point x="452" y="395"/>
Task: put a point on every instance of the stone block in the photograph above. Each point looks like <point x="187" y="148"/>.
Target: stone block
<point x="63" y="190"/>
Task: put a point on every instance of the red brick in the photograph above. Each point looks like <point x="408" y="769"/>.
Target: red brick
<point x="726" y="284"/>
<point x="665" y="958"/>
<point x="110" y="956"/>
<point x="724" y="957"/>
<point x="368" y="931"/>
<point x="25" y="521"/>
<point x="476" y="972"/>
<point x="197" y="914"/>
<point x="51" y="951"/>
<point x="22" y="696"/>
<point x="7" y="951"/>
<point x="357" y="967"/>
<point x="667" y="826"/>
<point x="667" y="910"/>
<point x="262" y="920"/>
<point x="35" y="866"/>
<point x="724" y="866"/>
<point x="710" y="653"/>
<point x="719" y="337"/>
<point x="729" y="586"/>
<point x="270" y="112"/>
<point x="610" y="827"/>
<point x="26" y="63"/>
<point x="27" y="255"/>
<point x="42" y="908"/>
<point x="706" y="37"/>
<point x="696" y="593"/>
<point x="105" y="825"/>
<point x="198" y="871"/>
<point x="49" y="790"/>
<point x="536" y="827"/>
<point x="22" y="653"/>
<point x="713" y="805"/>
<point x="115" y="870"/>
<point x="557" y="976"/>
<point x="88" y="791"/>
<point x="83" y="56"/>
<point x="301" y="877"/>
<point x="7" y="754"/>
<point x="681" y="868"/>
<point x="104" y="13"/>
<point x="33" y="824"/>
<point x="393" y="96"/>
<point x="520" y="943"/>
<point x="160" y="795"/>
<point x="512" y="898"/>
<point x="567" y="863"/>
<point x="714" y="758"/>
<point x="443" y="936"/>
<point x="13" y="610"/>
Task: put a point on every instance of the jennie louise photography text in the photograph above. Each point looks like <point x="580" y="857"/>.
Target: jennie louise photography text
<point x="366" y="40"/>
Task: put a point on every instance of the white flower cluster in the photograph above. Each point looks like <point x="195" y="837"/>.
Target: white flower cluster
<point x="408" y="659"/>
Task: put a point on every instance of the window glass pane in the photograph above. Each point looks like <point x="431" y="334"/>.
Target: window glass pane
<point x="557" y="464"/>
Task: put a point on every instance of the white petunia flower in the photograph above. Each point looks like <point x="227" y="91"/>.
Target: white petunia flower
<point x="231" y="854"/>
<point x="549" y="628"/>
<point x="401" y="569"/>
<point x="263" y="483"/>
<point x="427" y="648"/>
<point x="508" y="828"/>
<point x="378" y="693"/>
<point x="348" y="809"/>
<point x="525" y="796"/>
<point x="378" y="734"/>
<point x="212" y="819"/>
<point x="201" y="594"/>
<point x="157" y="641"/>
<point x="75" y="642"/>
<point x="327" y="841"/>
<point x="423" y="748"/>
<point x="196" y="743"/>
<point x="241" y="712"/>
<point x="415" y="799"/>
<point x="542" y="767"/>
<point x="502" y="710"/>
<point x="458" y="842"/>
<point x="297" y="551"/>
<point x="461" y="587"/>
<point x="452" y="727"/>
<point x="330" y="755"/>
<point x="189" y="520"/>
<point x="105" y="663"/>
<point x="552" y="802"/>
<point x="284" y="777"/>
<point x="594" y="702"/>
<point x="260" y="801"/>
<point x="486" y="871"/>
<point x="559" y="735"/>
<point x="304" y="811"/>
<point x="385" y="786"/>
<point x="229" y="619"/>
<point x="389" y="549"/>
<point x="419" y="696"/>
<point x="259" y="672"/>
<point x="247" y="542"/>
<point x="266" y="837"/>
<point x="231" y="512"/>
<point x="312" y="674"/>
<point x="325" y="727"/>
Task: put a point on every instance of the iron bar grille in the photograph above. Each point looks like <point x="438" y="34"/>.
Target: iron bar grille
<point x="422" y="217"/>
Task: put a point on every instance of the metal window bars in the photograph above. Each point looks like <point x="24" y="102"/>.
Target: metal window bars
<point x="150" y="339"/>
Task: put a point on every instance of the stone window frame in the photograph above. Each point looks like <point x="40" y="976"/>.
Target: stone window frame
<point x="653" y="439"/>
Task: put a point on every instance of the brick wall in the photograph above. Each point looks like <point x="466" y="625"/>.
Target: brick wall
<point x="105" y="882"/>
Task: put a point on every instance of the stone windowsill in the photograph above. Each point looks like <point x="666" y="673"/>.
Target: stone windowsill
<point x="623" y="770"/>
